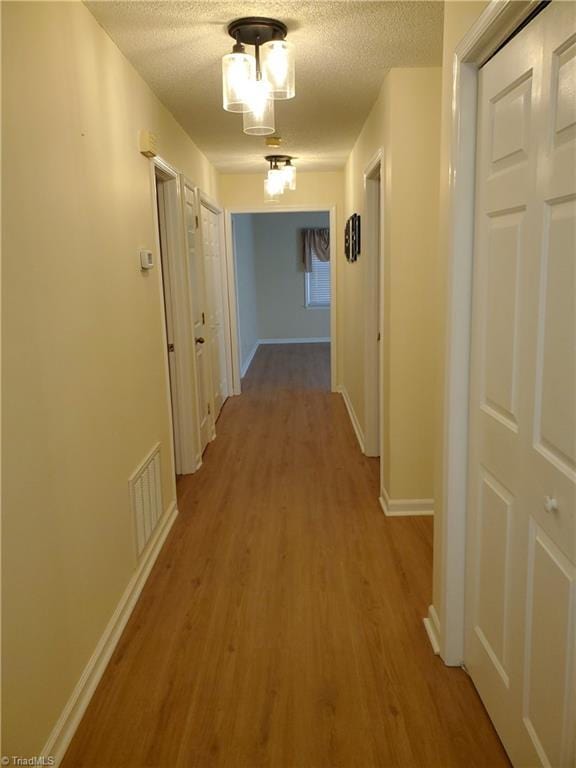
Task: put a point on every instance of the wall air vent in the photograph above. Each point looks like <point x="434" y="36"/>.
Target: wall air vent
<point x="146" y="498"/>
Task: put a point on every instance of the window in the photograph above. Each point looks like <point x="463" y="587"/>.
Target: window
<point x="318" y="283"/>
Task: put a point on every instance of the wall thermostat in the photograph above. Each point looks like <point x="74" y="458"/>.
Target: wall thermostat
<point x="146" y="260"/>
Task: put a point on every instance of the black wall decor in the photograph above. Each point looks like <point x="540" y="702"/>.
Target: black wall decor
<point x="352" y="237"/>
<point x="348" y="241"/>
<point x="356" y="234"/>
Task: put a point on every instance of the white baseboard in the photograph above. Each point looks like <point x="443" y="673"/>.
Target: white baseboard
<point x="351" y="412"/>
<point x="405" y="507"/>
<point x="311" y="340"/>
<point x="69" y="720"/>
<point x="244" y="367"/>
<point x="432" y="626"/>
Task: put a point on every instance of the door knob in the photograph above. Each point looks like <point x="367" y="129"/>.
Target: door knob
<point x="550" y="504"/>
<point x="199" y="340"/>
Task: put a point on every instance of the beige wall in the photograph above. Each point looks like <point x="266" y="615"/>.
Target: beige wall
<point x="84" y="380"/>
<point x="321" y="189"/>
<point x="458" y="18"/>
<point x="405" y="123"/>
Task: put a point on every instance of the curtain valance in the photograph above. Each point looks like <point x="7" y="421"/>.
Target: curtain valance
<point x="315" y="242"/>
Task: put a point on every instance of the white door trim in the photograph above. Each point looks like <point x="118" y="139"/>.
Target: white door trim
<point x="500" y="19"/>
<point x="231" y="281"/>
<point x="210" y="202"/>
<point x="188" y="459"/>
<point x="373" y="305"/>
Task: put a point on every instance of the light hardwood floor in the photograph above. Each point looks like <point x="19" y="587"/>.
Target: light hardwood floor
<point x="282" y="623"/>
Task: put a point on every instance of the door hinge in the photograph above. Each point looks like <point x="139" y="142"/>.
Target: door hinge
<point x="203" y="319"/>
<point x="378" y="339"/>
<point x="209" y="411"/>
<point x="197" y="222"/>
<point x="170" y="347"/>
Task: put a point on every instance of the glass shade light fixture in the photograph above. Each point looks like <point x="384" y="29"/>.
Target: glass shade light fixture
<point x="238" y="73"/>
<point x="279" y="179"/>
<point x="273" y="184"/>
<point x="275" y="179"/>
<point x="259" y="117"/>
<point x="270" y="196"/>
<point x="250" y="85"/>
<point x="289" y="172"/>
<point x="278" y="68"/>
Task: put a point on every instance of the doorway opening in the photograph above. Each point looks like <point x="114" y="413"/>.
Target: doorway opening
<point x="283" y="285"/>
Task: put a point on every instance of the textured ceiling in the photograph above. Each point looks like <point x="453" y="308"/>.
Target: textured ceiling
<point x="342" y="50"/>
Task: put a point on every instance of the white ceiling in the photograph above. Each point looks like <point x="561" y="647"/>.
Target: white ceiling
<point x="343" y="49"/>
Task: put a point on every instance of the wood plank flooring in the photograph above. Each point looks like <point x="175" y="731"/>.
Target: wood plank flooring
<point x="282" y="623"/>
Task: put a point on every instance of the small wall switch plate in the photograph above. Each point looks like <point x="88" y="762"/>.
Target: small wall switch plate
<point x="146" y="259"/>
<point x="147" y="143"/>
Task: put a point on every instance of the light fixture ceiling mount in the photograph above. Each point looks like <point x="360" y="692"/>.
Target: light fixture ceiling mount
<point x="252" y="82"/>
<point x="257" y="30"/>
<point x="279" y="158"/>
<point x="279" y="179"/>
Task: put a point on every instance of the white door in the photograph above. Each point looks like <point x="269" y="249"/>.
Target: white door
<point x="198" y="298"/>
<point x="163" y="215"/>
<point x="522" y="474"/>
<point x="213" y="270"/>
<point x="372" y="343"/>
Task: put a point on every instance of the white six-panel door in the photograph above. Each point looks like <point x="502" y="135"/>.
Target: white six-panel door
<point x="199" y="311"/>
<point x="522" y="473"/>
<point x="213" y="270"/>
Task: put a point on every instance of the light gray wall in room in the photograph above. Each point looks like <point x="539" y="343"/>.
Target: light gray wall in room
<point x="246" y="285"/>
<point x="280" y="277"/>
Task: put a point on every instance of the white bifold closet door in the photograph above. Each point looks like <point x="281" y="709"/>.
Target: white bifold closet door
<point x="216" y="318"/>
<point x="521" y="614"/>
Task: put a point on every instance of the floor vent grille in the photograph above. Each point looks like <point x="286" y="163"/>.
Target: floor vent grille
<point x="146" y="498"/>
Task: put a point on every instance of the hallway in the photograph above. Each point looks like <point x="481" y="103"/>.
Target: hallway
<point x="282" y="623"/>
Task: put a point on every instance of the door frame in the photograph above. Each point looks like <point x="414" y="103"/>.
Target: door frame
<point x="212" y="205"/>
<point x="231" y="281"/>
<point x="374" y="307"/>
<point x="490" y="31"/>
<point x="185" y="443"/>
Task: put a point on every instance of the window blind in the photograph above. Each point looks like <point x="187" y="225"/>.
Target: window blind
<point x="318" y="283"/>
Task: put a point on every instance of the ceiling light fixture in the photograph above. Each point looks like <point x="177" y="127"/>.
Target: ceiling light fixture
<point x="280" y="177"/>
<point x="289" y="172"/>
<point x="251" y="83"/>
